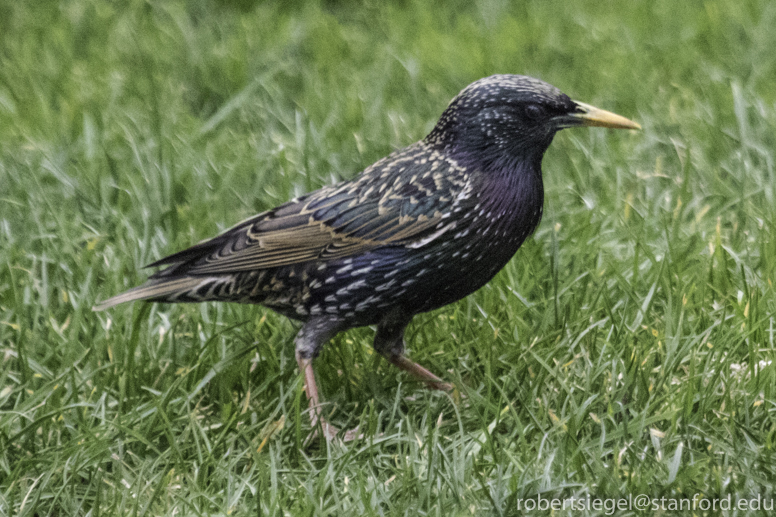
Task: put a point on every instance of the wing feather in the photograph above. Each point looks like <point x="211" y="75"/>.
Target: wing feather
<point x="338" y="221"/>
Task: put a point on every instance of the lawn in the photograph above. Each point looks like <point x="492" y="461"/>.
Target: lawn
<point x="626" y="349"/>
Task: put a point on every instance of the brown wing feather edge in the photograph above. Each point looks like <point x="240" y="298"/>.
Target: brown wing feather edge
<point x="155" y="288"/>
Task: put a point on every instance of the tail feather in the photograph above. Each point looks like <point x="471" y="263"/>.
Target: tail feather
<point x="157" y="289"/>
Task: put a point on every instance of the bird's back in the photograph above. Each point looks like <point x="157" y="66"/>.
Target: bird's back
<point x="416" y="229"/>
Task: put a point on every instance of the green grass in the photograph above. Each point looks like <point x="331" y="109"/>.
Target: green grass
<point x="628" y="348"/>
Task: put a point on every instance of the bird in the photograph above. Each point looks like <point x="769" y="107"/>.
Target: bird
<point x="419" y="229"/>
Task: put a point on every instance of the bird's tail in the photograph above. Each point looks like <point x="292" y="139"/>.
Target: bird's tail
<point x="161" y="289"/>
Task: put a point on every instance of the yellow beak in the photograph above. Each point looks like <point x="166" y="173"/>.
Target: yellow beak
<point x="592" y="116"/>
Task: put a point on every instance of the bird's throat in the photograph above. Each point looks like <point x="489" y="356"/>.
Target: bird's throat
<point x="513" y="195"/>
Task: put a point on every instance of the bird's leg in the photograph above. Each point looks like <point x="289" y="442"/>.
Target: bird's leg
<point x="389" y="342"/>
<point x="309" y="342"/>
<point x="311" y="390"/>
<point x="432" y="381"/>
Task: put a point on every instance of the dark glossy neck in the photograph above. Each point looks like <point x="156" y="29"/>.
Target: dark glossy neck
<point x="514" y="181"/>
<point x="512" y="191"/>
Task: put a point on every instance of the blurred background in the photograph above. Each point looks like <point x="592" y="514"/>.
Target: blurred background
<point x="627" y="348"/>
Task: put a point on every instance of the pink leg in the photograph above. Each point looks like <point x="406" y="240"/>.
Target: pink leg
<point x="311" y="390"/>
<point x="389" y="342"/>
<point x="420" y="373"/>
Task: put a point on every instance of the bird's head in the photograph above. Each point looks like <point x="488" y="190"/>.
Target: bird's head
<point x="512" y="117"/>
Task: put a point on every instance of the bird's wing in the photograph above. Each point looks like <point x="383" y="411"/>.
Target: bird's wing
<point x="405" y="199"/>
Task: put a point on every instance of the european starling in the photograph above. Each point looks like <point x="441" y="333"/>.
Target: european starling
<point x="419" y="229"/>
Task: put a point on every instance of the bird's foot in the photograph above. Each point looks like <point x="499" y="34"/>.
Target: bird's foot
<point x="440" y="386"/>
<point x="329" y="431"/>
<point x="352" y="434"/>
<point x="420" y="373"/>
<point x="332" y="433"/>
<point x="450" y="389"/>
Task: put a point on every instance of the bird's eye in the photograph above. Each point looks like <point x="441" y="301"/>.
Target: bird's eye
<point x="534" y="111"/>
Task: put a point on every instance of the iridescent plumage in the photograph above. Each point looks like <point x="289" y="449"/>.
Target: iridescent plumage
<point x="419" y="229"/>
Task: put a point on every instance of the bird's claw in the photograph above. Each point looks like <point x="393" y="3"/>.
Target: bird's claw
<point x="332" y="433"/>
